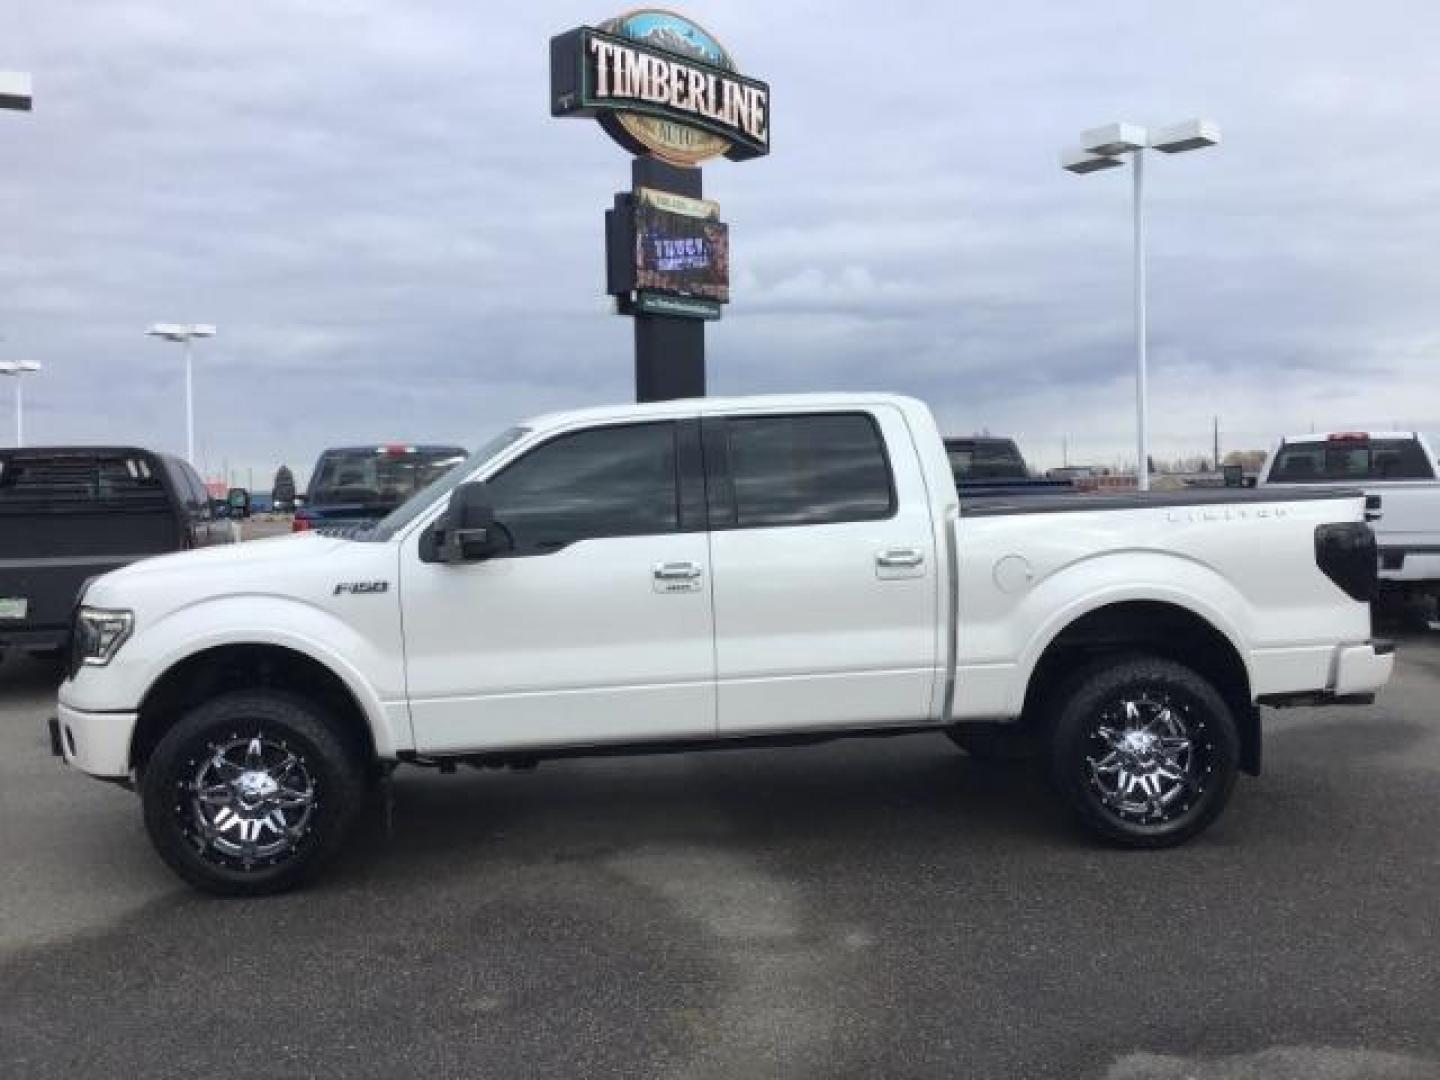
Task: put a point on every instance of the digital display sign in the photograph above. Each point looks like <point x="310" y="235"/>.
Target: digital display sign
<point x="681" y="246"/>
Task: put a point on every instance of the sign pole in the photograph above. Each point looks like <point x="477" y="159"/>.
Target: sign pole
<point x="667" y="91"/>
<point x="669" y="351"/>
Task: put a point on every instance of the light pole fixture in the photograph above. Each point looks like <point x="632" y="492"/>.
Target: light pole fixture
<point x="15" y="91"/>
<point x="17" y="369"/>
<point x="185" y="333"/>
<point x="1104" y="148"/>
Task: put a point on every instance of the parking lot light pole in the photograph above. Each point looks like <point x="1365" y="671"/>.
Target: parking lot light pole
<point x="18" y="369"/>
<point x="1103" y="148"/>
<point x="185" y="333"/>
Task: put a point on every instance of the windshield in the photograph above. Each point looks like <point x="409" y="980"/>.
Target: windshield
<point x="1351" y="459"/>
<point x="422" y="500"/>
<point x="384" y="476"/>
<point x="985" y="459"/>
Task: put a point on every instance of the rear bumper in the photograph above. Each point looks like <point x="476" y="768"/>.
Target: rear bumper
<point x="1357" y="672"/>
<point x="1363" y="669"/>
<point x="95" y="743"/>
<point x="46" y="637"/>
<point x="1403" y="563"/>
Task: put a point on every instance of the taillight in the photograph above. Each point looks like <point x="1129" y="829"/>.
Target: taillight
<point x="1349" y="436"/>
<point x="300" y="524"/>
<point x="1346" y="553"/>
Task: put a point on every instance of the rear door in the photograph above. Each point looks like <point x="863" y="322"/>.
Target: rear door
<point x="825" y="573"/>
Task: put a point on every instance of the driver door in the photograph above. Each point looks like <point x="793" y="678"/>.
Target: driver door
<point x="597" y="627"/>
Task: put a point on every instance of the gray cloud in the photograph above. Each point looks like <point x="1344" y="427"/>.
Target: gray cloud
<point x="398" y="242"/>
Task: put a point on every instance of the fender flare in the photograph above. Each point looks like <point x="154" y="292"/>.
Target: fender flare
<point x="386" y="744"/>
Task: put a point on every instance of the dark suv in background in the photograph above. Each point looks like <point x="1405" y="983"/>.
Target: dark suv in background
<point x="356" y="486"/>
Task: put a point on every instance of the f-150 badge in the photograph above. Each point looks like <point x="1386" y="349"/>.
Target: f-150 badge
<point x="355" y="588"/>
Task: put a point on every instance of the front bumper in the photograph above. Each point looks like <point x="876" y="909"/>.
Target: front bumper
<point x="96" y="743"/>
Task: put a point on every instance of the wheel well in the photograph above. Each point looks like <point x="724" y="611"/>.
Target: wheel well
<point x="1159" y="629"/>
<point x="215" y="671"/>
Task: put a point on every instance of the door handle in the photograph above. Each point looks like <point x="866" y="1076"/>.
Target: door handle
<point x="897" y="557"/>
<point x="677" y="571"/>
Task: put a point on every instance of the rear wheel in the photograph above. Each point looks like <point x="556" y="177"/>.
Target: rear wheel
<point x="1145" y="751"/>
<point x="250" y="793"/>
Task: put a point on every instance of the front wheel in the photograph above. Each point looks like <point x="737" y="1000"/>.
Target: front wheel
<point x="250" y="792"/>
<point x="1145" y="751"/>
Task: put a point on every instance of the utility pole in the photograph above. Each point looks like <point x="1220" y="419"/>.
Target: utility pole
<point x="1215" y="452"/>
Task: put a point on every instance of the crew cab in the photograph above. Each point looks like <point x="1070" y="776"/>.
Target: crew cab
<point x="1397" y="468"/>
<point x="68" y="513"/>
<point x="705" y="574"/>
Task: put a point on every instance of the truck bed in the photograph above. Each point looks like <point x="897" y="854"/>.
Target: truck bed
<point x="1077" y="501"/>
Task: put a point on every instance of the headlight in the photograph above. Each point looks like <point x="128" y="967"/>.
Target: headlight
<point x="100" y="633"/>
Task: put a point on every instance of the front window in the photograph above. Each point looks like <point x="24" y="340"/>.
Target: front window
<point x="609" y="481"/>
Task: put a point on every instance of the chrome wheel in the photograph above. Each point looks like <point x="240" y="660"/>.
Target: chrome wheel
<point x="250" y="803"/>
<point x="1149" y="757"/>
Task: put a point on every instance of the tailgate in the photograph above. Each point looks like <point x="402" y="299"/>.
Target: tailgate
<point x="1409" y="514"/>
<point x="46" y="556"/>
<point x="38" y="594"/>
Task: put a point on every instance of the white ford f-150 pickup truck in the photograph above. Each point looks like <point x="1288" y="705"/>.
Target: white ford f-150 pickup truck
<point x="714" y="573"/>
<point x="1397" y="467"/>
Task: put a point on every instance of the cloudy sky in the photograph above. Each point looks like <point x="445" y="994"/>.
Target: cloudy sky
<point x="398" y="242"/>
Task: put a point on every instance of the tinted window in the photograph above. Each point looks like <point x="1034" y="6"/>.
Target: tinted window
<point x="985" y="459"/>
<point x="79" y="481"/>
<point x="1352" y="460"/>
<point x="380" y="476"/>
<point x="614" y="481"/>
<point x="412" y="507"/>
<point x="198" y="501"/>
<point x="808" y="470"/>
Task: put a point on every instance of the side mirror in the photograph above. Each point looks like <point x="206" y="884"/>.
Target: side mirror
<point x="467" y="531"/>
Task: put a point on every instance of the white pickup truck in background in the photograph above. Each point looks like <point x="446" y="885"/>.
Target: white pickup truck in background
<point x="705" y="574"/>
<point x="1397" y="466"/>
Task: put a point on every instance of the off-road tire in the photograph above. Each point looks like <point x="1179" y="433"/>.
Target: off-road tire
<point x="1095" y="701"/>
<point x="179" y="822"/>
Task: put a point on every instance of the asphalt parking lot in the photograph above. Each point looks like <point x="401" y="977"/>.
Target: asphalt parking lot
<point x="886" y="909"/>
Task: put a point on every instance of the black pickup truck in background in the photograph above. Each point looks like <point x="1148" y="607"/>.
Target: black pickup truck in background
<point x="989" y="465"/>
<point x="353" y="487"/>
<point x="69" y="513"/>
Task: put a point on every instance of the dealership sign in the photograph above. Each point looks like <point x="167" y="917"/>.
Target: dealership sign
<point x="661" y="86"/>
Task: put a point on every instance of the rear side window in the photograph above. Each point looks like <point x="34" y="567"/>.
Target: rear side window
<point x="811" y="469"/>
<point x="1351" y="460"/>
<point x="83" y="481"/>
<point x="610" y="481"/>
